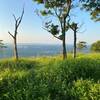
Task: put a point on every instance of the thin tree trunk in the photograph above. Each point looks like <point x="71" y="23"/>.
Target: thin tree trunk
<point x="75" y="39"/>
<point x="17" y="23"/>
<point x="64" y="40"/>
<point x="15" y="49"/>
<point x="64" y="48"/>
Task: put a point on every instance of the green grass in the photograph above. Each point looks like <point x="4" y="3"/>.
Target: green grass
<point x="51" y="78"/>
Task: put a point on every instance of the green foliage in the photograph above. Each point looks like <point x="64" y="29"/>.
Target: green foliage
<point x="39" y="1"/>
<point x="74" y="26"/>
<point x="86" y="90"/>
<point x="59" y="10"/>
<point x="52" y="3"/>
<point x="93" y="6"/>
<point x="53" y="29"/>
<point x="46" y="12"/>
<point x="51" y="79"/>
<point x="96" y="46"/>
<point x="2" y="44"/>
<point x="81" y="45"/>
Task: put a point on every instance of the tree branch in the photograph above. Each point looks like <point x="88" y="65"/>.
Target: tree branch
<point x="11" y="34"/>
<point x="68" y="8"/>
<point x="14" y="17"/>
<point x="58" y="37"/>
<point x="20" y="18"/>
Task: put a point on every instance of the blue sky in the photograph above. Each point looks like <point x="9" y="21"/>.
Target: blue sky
<point x="31" y="30"/>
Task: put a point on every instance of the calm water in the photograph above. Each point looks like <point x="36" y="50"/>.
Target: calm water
<point x="32" y="50"/>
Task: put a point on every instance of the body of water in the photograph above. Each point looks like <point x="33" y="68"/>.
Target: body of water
<point x="33" y="50"/>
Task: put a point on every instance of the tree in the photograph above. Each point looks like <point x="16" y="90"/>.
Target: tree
<point x="59" y="9"/>
<point x="96" y="46"/>
<point x="17" y="24"/>
<point x="74" y="27"/>
<point x="81" y="45"/>
<point x="2" y="44"/>
<point x="93" y="6"/>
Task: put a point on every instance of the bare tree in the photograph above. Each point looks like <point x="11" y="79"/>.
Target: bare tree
<point x="14" y="36"/>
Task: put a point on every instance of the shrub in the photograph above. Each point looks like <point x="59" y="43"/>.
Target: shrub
<point x="86" y="90"/>
<point x="50" y="79"/>
<point x="96" y="46"/>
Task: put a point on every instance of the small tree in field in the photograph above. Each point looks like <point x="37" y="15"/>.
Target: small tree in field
<point x="14" y="36"/>
<point x="81" y="45"/>
<point x="2" y="44"/>
<point x="74" y="27"/>
<point x="59" y="10"/>
<point x="96" y="46"/>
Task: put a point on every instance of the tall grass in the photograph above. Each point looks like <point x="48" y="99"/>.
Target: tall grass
<point x="51" y="78"/>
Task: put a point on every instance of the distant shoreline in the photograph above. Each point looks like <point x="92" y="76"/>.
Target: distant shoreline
<point x="35" y="50"/>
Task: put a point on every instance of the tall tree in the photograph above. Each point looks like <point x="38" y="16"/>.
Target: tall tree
<point x="93" y="6"/>
<point x="14" y="36"/>
<point x="74" y="27"/>
<point x="59" y="9"/>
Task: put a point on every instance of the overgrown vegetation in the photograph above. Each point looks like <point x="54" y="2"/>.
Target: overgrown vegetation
<point x="96" y="46"/>
<point x="51" y="78"/>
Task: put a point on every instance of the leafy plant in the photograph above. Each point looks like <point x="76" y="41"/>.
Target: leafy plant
<point x="96" y="46"/>
<point x="51" y="78"/>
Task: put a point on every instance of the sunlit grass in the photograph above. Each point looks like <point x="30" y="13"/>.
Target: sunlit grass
<point x="51" y="78"/>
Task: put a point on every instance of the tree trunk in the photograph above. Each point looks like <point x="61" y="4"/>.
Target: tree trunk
<point x="64" y="47"/>
<point x="64" y="39"/>
<point x="15" y="49"/>
<point x="75" y="39"/>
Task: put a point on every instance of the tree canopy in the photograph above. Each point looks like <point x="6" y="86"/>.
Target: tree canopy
<point x="81" y="45"/>
<point x="96" y="46"/>
<point x="2" y="44"/>
<point x="60" y="11"/>
<point x="93" y="6"/>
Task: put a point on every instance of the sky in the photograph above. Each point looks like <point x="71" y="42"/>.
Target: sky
<point x="31" y="30"/>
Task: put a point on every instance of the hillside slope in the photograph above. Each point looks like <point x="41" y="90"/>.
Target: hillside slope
<point x="50" y="78"/>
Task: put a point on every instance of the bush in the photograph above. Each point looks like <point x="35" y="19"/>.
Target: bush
<point x="50" y="79"/>
<point x="86" y="90"/>
<point x="96" y="46"/>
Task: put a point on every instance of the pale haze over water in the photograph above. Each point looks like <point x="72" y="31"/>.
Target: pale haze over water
<point x="34" y="50"/>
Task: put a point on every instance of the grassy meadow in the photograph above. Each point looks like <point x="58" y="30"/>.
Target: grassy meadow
<point x="51" y="78"/>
